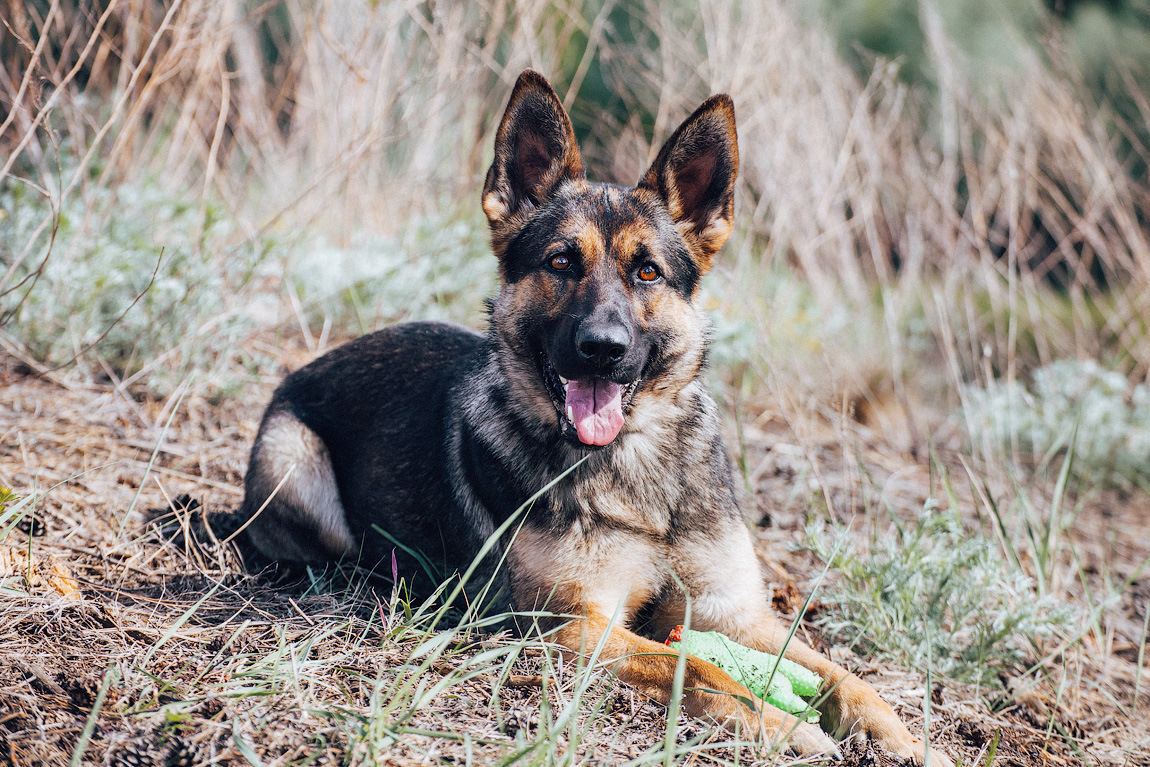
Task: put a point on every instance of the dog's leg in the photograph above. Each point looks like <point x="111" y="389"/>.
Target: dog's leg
<point x="291" y="501"/>
<point x="728" y="595"/>
<point x="708" y="693"/>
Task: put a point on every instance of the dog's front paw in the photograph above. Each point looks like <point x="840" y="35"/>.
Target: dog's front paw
<point x="807" y="740"/>
<point x="866" y="715"/>
<point x="910" y="748"/>
<point x="937" y="758"/>
<point x="781" y="731"/>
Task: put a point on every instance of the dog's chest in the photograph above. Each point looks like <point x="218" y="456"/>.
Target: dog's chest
<point x="601" y="541"/>
<point x="604" y="549"/>
<point x="607" y="570"/>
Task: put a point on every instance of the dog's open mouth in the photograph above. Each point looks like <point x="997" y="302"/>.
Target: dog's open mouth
<point x="592" y="406"/>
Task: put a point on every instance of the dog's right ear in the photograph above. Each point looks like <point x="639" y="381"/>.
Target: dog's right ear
<point x="534" y="152"/>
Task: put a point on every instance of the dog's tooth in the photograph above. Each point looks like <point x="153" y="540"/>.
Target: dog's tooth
<point x="563" y="381"/>
<point x="571" y="414"/>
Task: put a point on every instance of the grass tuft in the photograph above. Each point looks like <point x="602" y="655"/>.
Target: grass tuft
<point x="1072" y="406"/>
<point x="935" y="594"/>
<point x="130" y="283"/>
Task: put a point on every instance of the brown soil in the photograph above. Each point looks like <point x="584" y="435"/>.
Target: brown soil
<point x="155" y="633"/>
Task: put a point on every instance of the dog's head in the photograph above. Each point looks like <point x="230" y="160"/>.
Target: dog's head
<point x="597" y="305"/>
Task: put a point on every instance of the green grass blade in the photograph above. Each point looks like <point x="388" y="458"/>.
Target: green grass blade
<point x="110" y="677"/>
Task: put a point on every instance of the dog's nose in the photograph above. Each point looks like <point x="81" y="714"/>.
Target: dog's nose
<point x="602" y="344"/>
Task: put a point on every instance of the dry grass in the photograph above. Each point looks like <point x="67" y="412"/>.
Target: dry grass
<point x="892" y="250"/>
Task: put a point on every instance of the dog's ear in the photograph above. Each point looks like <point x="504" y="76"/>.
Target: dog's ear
<point x="534" y="151"/>
<point x="694" y="174"/>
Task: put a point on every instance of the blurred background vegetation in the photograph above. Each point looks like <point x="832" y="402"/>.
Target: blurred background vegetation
<point x="937" y="198"/>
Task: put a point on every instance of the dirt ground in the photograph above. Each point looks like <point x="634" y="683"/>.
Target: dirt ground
<point x="122" y="646"/>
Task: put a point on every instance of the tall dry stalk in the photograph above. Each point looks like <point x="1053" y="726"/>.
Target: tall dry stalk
<point x="379" y="108"/>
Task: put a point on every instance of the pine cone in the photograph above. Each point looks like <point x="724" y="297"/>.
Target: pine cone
<point x="182" y="753"/>
<point x="135" y="755"/>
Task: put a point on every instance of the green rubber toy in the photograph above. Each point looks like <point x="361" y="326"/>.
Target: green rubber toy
<point x="752" y="669"/>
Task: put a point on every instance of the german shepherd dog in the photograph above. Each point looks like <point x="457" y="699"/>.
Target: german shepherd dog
<point x="421" y="440"/>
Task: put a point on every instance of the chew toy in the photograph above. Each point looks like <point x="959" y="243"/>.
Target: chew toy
<point x="752" y="669"/>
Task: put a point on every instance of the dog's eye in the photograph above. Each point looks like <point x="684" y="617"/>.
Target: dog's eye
<point x="648" y="273"/>
<point x="560" y="263"/>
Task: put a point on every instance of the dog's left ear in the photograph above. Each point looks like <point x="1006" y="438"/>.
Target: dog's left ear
<point x="695" y="173"/>
<point x="535" y="151"/>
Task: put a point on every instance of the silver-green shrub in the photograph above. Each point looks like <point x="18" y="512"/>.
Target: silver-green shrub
<point x="437" y="267"/>
<point x="136" y="276"/>
<point x="1106" y="417"/>
<point x="934" y="595"/>
<point x="142" y="280"/>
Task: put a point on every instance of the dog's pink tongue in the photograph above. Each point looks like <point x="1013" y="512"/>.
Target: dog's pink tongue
<point x="595" y="405"/>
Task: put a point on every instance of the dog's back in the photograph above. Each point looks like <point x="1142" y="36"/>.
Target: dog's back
<point x="357" y="440"/>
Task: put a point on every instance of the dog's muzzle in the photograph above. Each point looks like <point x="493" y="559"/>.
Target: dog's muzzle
<point x="590" y="408"/>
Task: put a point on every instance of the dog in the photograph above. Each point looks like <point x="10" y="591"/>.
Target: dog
<point x="425" y="441"/>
